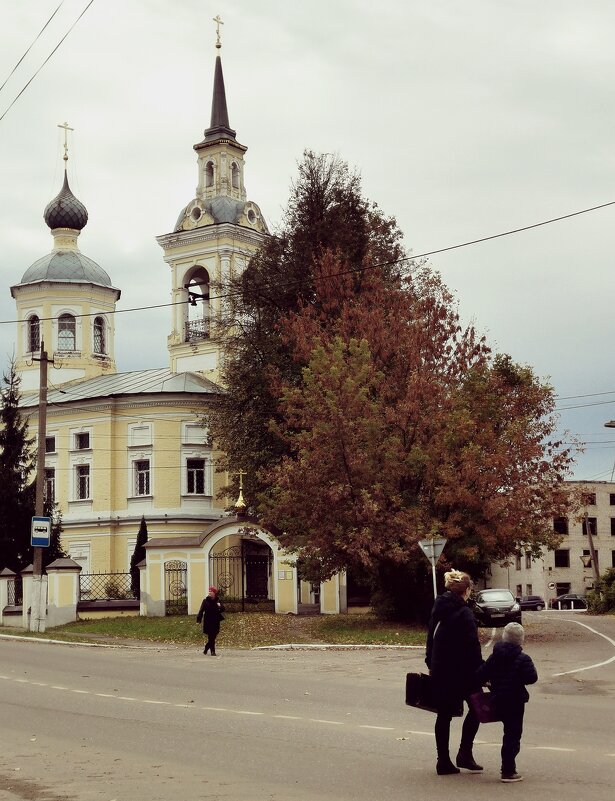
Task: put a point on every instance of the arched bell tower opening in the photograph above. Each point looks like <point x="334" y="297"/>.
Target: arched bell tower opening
<point x="197" y="323"/>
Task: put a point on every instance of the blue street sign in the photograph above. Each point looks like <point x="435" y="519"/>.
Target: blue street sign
<point x="41" y="532"/>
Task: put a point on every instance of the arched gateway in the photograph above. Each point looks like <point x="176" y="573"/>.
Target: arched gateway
<point x="237" y="555"/>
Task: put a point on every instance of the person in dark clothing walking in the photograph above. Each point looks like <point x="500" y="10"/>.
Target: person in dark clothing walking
<point x="508" y="670"/>
<point x="453" y="657"/>
<point x="211" y="615"/>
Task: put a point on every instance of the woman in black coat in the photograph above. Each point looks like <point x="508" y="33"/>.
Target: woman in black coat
<point x="453" y="657"/>
<point x="211" y="615"/>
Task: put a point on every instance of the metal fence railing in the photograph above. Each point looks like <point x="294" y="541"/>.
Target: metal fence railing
<point x="106" y="587"/>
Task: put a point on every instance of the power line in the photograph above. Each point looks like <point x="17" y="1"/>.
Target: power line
<point x="7" y="79"/>
<point x="6" y="111"/>
<point x="352" y="270"/>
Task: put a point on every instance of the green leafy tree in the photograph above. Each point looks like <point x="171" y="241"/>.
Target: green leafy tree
<point x="326" y="212"/>
<point x="138" y="556"/>
<point x="17" y="490"/>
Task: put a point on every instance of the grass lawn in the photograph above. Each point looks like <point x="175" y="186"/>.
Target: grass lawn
<point x="242" y="630"/>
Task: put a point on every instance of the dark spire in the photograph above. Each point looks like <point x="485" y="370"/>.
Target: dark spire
<point x="219" y="127"/>
<point x="65" y="211"/>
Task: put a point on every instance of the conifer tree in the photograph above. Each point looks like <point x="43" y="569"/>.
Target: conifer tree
<point x="138" y="556"/>
<point x="17" y="489"/>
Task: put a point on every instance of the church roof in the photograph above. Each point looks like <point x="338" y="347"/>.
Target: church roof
<point x="65" y="211"/>
<point x="219" y="126"/>
<point x="66" y="265"/>
<point x="138" y="382"/>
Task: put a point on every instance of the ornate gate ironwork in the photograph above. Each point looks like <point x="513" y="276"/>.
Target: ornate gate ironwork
<point x="176" y="588"/>
<point x="242" y="573"/>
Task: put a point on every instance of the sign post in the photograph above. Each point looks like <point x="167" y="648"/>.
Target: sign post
<point x="433" y="550"/>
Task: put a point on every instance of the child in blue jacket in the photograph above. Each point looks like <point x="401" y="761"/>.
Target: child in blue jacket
<point x="508" y="670"/>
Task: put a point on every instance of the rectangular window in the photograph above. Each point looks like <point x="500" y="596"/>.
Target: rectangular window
<point x="560" y="525"/>
<point x="612" y="498"/>
<point x="590" y="523"/>
<point x="613" y="527"/>
<point x="518" y="561"/>
<point x="518" y="591"/>
<point x="588" y="498"/>
<point x="528" y="561"/>
<point x="562" y="557"/>
<point x="50" y="444"/>
<point x="82" y="472"/>
<point x="196" y="476"/>
<point x="612" y="558"/>
<point x="82" y="441"/>
<point x="50" y="484"/>
<point x="528" y="589"/>
<point x="142" y="485"/>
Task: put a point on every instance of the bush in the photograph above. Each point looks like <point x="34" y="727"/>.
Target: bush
<point x="602" y="598"/>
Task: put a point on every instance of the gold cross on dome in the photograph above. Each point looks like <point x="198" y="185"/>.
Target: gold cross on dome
<point x="67" y="128"/>
<point x="241" y="474"/>
<point x="218" y="22"/>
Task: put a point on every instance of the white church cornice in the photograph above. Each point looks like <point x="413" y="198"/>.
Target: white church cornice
<point x="214" y="233"/>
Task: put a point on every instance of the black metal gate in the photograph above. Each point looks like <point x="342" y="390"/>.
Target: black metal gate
<point x="242" y="573"/>
<point x="176" y="588"/>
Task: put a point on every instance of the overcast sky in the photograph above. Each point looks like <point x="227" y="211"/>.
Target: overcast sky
<point x="464" y="118"/>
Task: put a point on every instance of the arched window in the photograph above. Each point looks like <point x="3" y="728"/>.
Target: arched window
<point x="34" y="334"/>
<point x="209" y="174"/>
<point x="67" y="332"/>
<point x="100" y="345"/>
<point x="197" y="324"/>
<point x="235" y="176"/>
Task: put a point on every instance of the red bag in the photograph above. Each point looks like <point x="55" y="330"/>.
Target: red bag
<point x="484" y="707"/>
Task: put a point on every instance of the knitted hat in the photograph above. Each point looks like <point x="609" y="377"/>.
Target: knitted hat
<point x="214" y="590"/>
<point x="514" y="633"/>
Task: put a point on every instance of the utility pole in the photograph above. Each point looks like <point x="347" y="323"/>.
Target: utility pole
<point x="592" y="551"/>
<point x="38" y="605"/>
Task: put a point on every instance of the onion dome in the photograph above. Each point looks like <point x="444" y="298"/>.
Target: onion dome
<point x="65" y="211"/>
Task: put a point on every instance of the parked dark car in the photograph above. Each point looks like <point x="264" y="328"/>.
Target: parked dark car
<point x="569" y="601"/>
<point x="496" y="608"/>
<point x="531" y="602"/>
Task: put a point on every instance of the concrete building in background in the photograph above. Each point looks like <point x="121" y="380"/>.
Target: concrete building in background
<point x="568" y="568"/>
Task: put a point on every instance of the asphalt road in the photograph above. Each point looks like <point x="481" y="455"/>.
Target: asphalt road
<point x="166" y="724"/>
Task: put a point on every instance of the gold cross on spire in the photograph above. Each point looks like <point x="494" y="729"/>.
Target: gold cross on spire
<point x="218" y="22"/>
<point x="67" y="128"/>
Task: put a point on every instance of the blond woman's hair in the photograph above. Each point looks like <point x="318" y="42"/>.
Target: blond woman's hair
<point x="456" y="581"/>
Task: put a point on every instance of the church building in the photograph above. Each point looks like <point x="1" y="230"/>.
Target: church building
<point x="125" y="446"/>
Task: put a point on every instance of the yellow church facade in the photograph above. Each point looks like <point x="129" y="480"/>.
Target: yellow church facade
<point x="120" y="447"/>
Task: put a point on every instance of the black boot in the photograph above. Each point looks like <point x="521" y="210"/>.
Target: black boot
<point x="466" y="760"/>
<point x="444" y="767"/>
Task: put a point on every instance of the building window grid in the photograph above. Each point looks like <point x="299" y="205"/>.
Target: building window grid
<point x="82" y="472"/>
<point x="592" y="524"/>
<point x="528" y="560"/>
<point x="67" y="333"/>
<point x="34" y="334"/>
<point x="50" y="444"/>
<point x="50" y="484"/>
<point x="588" y="498"/>
<point x="562" y="557"/>
<point x="195" y="469"/>
<point x="99" y="336"/>
<point x="142" y="477"/>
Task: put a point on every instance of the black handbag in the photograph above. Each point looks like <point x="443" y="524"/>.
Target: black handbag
<point x="484" y="706"/>
<point x="419" y="692"/>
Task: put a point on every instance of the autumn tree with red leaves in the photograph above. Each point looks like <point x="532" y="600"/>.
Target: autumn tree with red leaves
<point x="367" y="417"/>
<point x="405" y="426"/>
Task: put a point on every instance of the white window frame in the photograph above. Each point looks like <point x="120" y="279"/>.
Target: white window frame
<point x="136" y="473"/>
<point x="140" y="435"/>
<point x="76" y="479"/>
<point x="130" y="549"/>
<point x="77" y="432"/>
<point x="52" y="469"/>
<point x="195" y="434"/>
